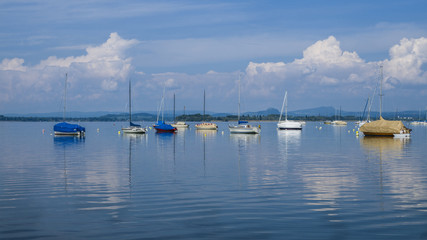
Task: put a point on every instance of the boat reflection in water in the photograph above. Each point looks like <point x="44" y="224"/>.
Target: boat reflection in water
<point x="207" y="136"/>
<point x="288" y="141"/>
<point x="68" y="147"/>
<point x="166" y="148"/>
<point x="245" y="139"/>
<point x="208" y="133"/>
<point x="384" y="147"/>
<point x="286" y="137"/>
<point x="401" y="178"/>
<point x="64" y="140"/>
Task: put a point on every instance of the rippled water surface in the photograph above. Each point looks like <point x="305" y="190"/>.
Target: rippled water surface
<point x="320" y="183"/>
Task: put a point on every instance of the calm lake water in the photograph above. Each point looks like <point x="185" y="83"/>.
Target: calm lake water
<point x="315" y="184"/>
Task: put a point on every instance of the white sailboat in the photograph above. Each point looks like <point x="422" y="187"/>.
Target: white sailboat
<point x="243" y="126"/>
<point x="180" y="124"/>
<point x="133" y="128"/>
<point x="287" y="124"/>
<point x="205" y="125"/>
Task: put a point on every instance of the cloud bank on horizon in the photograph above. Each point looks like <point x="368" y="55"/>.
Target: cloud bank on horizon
<point x="325" y="75"/>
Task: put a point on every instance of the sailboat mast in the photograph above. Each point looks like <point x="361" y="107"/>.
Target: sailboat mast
<point x="286" y="105"/>
<point x="381" y="90"/>
<point x="163" y="100"/>
<point x="364" y="110"/>
<point x="65" y="97"/>
<point x="174" y="107"/>
<point x="204" y="104"/>
<point x="130" y="102"/>
<point x="238" y="109"/>
<point x="283" y="105"/>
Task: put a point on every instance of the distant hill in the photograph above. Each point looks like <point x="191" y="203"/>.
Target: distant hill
<point x="267" y="112"/>
<point x="320" y="111"/>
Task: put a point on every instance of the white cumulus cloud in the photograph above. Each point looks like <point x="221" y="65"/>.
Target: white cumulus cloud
<point x="408" y="61"/>
<point x="101" y="69"/>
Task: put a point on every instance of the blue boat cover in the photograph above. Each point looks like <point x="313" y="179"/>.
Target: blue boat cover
<point x="134" y="125"/>
<point x="241" y="122"/>
<point x="161" y="125"/>
<point x="68" y="128"/>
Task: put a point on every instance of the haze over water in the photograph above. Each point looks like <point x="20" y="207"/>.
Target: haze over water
<point x="312" y="184"/>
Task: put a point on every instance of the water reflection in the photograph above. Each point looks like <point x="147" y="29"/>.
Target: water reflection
<point x="208" y="133"/>
<point x="67" y="140"/>
<point x="166" y="146"/>
<point x="326" y="186"/>
<point x="288" y="140"/>
<point x="399" y="175"/>
<point x="136" y="138"/>
<point x="63" y="145"/>
<point x="291" y="137"/>
<point x="244" y="140"/>
<point x="384" y="147"/>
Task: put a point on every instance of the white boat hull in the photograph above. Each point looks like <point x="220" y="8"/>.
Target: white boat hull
<point x="402" y="135"/>
<point x="69" y="133"/>
<point x="244" y="129"/>
<point x="289" y="125"/>
<point x="134" y="130"/>
<point x="206" y="126"/>
<point x="338" y="122"/>
<point x="180" y="125"/>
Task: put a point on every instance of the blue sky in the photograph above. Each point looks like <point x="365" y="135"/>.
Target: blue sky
<point x="324" y="53"/>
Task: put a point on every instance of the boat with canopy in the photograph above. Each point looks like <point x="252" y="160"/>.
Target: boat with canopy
<point x="205" y="125"/>
<point x="161" y="126"/>
<point x="384" y="127"/>
<point x="64" y="128"/>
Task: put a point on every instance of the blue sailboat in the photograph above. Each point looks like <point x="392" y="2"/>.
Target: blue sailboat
<point x="161" y="126"/>
<point x="64" y="128"/>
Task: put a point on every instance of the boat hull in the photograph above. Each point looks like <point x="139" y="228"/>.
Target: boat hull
<point x="134" y="130"/>
<point x="402" y="135"/>
<point x="340" y="123"/>
<point x="160" y="130"/>
<point x="180" y="125"/>
<point x="206" y="126"/>
<point x="79" y="133"/>
<point x="373" y="134"/>
<point x="289" y="125"/>
<point x="245" y="129"/>
<point x="288" y="128"/>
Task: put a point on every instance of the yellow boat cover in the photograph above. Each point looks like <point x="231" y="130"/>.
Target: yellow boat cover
<point x="383" y="127"/>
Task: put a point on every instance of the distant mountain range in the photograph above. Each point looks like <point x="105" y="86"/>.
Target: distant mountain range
<point x="319" y="111"/>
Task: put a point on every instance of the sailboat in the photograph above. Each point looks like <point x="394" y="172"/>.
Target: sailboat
<point x="176" y="124"/>
<point x="339" y="121"/>
<point x="64" y="128"/>
<point x="384" y="127"/>
<point x="161" y="126"/>
<point x="243" y="126"/>
<point x="362" y="121"/>
<point x="287" y="124"/>
<point x="205" y="125"/>
<point x="133" y="128"/>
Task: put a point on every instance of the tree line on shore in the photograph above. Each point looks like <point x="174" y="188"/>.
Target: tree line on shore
<point x="188" y="118"/>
